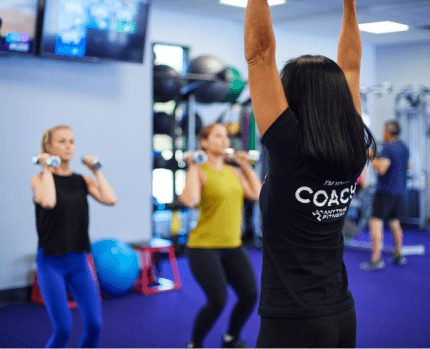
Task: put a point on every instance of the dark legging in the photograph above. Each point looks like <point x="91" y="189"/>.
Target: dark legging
<point x="213" y="269"/>
<point x="57" y="273"/>
<point x="330" y="331"/>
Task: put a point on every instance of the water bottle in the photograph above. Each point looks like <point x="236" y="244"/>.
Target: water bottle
<point x="53" y="161"/>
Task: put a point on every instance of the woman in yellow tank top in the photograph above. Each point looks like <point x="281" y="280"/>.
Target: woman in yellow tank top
<point x="215" y="253"/>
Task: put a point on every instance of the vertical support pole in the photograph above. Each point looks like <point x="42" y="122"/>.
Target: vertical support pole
<point x="422" y="136"/>
<point x="191" y="122"/>
<point x="245" y="126"/>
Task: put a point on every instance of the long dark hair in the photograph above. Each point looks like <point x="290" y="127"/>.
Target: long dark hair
<point x="332" y="131"/>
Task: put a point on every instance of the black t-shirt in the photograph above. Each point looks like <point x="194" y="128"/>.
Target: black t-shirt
<point x="64" y="229"/>
<point x="303" y="206"/>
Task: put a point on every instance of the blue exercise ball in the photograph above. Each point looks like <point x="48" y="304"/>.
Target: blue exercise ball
<point x="116" y="265"/>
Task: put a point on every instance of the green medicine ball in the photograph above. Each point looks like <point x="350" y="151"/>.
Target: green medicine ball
<point x="237" y="85"/>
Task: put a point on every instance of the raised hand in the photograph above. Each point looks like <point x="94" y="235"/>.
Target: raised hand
<point x="188" y="158"/>
<point x="42" y="159"/>
<point x="241" y="158"/>
<point x="91" y="162"/>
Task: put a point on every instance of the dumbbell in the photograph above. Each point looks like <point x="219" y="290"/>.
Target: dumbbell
<point x="95" y="164"/>
<point x="199" y="157"/>
<point x="253" y="155"/>
<point x="53" y="161"/>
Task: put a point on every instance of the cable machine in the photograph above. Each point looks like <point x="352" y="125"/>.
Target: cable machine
<point x="413" y="113"/>
<point x="412" y="110"/>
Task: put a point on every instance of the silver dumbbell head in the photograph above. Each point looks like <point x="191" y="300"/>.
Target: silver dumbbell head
<point x="53" y="161"/>
<point x="199" y="157"/>
<point x="254" y="155"/>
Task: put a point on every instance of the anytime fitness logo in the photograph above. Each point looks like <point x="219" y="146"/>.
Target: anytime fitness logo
<point x="326" y="199"/>
<point x="327" y="214"/>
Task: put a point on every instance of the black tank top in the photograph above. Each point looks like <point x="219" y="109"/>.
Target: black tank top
<point x="64" y="229"/>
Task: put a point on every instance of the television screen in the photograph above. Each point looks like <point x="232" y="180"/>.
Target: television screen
<point x="18" y="26"/>
<point x="94" y="30"/>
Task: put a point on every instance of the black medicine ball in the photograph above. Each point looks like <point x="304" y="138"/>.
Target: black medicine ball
<point x="167" y="83"/>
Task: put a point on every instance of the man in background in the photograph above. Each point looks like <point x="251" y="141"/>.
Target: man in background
<point x="391" y="167"/>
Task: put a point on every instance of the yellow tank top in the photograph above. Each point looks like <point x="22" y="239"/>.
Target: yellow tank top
<point x="220" y="209"/>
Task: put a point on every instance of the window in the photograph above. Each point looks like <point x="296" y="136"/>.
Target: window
<point x="171" y="55"/>
<point x="180" y="181"/>
<point x="162" y="185"/>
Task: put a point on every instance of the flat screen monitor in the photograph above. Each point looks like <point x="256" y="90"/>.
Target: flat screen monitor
<point x="95" y="30"/>
<point x="18" y="26"/>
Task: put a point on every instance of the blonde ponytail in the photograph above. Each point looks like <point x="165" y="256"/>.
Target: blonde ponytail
<point x="46" y="138"/>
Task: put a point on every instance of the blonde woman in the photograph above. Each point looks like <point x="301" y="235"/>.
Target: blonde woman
<point x="60" y="197"/>
<point x="215" y="254"/>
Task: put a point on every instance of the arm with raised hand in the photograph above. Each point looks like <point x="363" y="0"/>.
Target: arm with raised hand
<point x="349" y="50"/>
<point x="259" y="36"/>
<point x="43" y="185"/>
<point x="192" y="191"/>
<point x="267" y="94"/>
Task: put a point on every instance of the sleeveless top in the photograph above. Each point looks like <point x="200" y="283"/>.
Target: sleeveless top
<point x="64" y="229"/>
<point x="220" y="209"/>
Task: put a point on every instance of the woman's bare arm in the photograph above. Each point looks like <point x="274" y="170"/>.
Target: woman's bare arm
<point x="249" y="180"/>
<point x="192" y="192"/>
<point x="43" y="185"/>
<point x="101" y="190"/>
<point x="267" y="93"/>
<point x="349" y="50"/>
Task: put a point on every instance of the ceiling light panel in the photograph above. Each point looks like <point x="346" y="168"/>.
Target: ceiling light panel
<point x="383" y="27"/>
<point x="242" y="3"/>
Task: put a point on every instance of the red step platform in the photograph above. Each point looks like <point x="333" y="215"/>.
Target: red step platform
<point x="36" y="295"/>
<point x="148" y="251"/>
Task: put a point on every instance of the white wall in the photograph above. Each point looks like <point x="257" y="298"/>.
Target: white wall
<point x="404" y="65"/>
<point x="293" y="44"/>
<point x="109" y="109"/>
<point x="401" y="65"/>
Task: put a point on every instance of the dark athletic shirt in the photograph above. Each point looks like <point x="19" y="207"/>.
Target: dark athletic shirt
<point x="64" y="229"/>
<point x="303" y="207"/>
<point x="393" y="182"/>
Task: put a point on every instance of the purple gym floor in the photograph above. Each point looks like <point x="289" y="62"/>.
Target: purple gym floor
<point x="391" y="304"/>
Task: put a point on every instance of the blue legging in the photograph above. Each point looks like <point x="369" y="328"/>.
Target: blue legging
<point x="55" y="275"/>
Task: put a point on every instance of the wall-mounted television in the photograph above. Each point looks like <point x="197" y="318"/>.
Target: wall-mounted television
<point x="19" y="27"/>
<point x="95" y="30"/>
